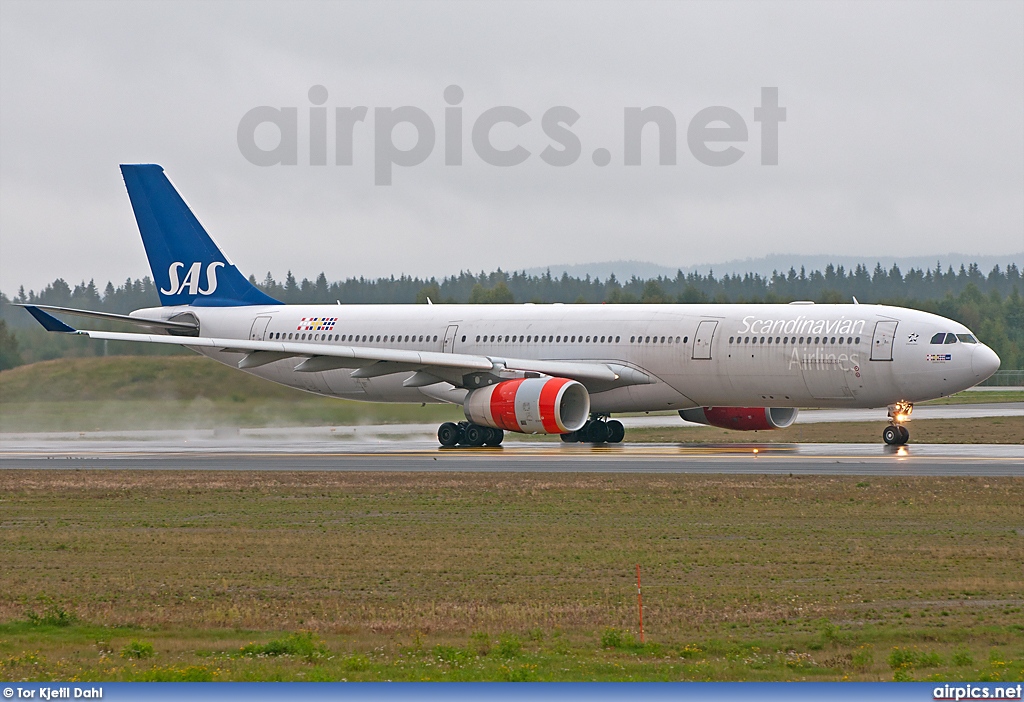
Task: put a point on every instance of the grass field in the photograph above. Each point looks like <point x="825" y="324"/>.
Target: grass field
<point x="146" y="392"/>
<point x="324" y="576"/>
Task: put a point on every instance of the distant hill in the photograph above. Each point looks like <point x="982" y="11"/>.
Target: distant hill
<point x="624" y="270"/>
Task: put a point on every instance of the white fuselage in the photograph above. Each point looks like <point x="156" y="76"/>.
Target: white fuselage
<point x="794" y="355"/>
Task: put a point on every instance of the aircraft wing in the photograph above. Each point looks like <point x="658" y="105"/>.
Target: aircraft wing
<point x="369" y="362"/>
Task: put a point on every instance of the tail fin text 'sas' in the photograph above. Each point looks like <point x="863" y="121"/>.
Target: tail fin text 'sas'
<point x="188" y="266"/>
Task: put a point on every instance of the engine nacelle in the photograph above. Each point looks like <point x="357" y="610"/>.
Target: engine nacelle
<point x="742" y="418"/>
<point x="530" y="405"/>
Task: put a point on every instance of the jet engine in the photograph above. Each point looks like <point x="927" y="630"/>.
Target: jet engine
<point x="530" y="405"/>
<point x="742" y="418"/>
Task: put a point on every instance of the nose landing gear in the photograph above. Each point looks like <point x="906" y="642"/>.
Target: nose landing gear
<point x="896" y="434"/>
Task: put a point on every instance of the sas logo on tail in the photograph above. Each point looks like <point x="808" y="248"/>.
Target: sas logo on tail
<point x="192" y="279"/>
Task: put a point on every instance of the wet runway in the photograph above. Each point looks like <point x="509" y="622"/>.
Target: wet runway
<point x="321" y="449"/>
<point x="413" y="447"/>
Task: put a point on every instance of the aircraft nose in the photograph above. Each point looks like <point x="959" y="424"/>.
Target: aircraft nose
<point x="984" y="362"/>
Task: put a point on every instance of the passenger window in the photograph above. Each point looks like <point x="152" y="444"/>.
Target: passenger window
<point x="950" y="338"/>
<point x="616" y="340"/>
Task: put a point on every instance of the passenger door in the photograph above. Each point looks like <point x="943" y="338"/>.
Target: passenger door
<point x="702" y="340"/>
<point x="881" y="342"/>
<point x="449" y="338"/>
<point x="259" y="329"/>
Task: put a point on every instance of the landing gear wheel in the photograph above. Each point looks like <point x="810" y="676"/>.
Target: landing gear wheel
<point x="904" y="435"/>
<point x="495" y="438"/>
<point x="616" y="432"/>
<point x="596" y="432"/>
<point x="892" y="435"/>
<point x="570" y="437"/>
<point x="448" y="434"/>
<point x="476" y="435"/>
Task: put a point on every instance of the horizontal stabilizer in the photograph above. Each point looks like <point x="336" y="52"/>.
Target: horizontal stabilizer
<point x="110" y="316"/>
<point x="49" y="322"/>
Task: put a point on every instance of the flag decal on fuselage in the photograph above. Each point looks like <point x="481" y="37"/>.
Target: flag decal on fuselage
<point x="325" y="324"/>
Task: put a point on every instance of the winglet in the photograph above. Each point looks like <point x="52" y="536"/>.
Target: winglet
<point x="49" y="322"/>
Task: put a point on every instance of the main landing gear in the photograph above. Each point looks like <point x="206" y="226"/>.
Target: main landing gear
<point x="598" y="430"/>
<point x="896" y="434"/>
<point x="468" y="434"/>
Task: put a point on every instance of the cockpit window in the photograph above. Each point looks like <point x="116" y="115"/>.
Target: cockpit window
<point x="939" y="338"/>
<point x="967" y="338"/>
<point x="950" y="338"/>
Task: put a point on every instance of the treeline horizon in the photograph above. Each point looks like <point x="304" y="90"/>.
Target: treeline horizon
<point x="989" y="303"/>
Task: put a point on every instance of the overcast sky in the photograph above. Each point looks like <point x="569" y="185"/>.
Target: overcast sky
<point x="904" y="132"/>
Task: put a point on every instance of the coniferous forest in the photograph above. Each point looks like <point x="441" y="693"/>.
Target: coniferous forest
<point x="991" y="304"/>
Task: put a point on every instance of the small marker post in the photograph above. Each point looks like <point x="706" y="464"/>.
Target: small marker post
<point x="640" y="603"/>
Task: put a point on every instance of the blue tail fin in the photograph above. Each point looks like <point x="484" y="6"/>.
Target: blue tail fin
<point x="188" y="267"/>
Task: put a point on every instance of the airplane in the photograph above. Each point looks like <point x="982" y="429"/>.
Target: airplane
<point x="541" y="368"/>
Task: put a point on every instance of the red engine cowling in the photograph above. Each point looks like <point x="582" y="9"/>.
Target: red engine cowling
<point x="742" y="418"/>
<point x="530" y="405"/>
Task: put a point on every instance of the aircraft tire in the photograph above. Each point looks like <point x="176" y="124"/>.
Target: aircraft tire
<point x="448" y="434"/>
<point x="904" y="435"/>
<point x="570" y="437"/>
<point x="495" y="438"/>
<point x="596" y="432"/>
<point x="891" y="435"/>
<point x="616" y="432"/>
<point x="476" y="435"/>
